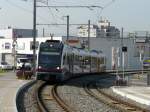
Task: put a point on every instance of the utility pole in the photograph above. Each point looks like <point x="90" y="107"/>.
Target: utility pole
<point x="43" y="32"/>
<point x="123" y="53"/>
<point x="121" y="46"/>
<point x="89" y="42"/>
<point x="14" y="52"/>
<point x="67" y="29"/>
<point x="148" y="75"/>
<point x="89" y="35"/>
<point x="34" y="36"/>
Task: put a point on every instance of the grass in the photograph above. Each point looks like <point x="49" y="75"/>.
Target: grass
<point x="2" y="71"/>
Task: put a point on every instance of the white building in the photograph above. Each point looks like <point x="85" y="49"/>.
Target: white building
<point x="23" y="47"/>
<point x="83" y="31"/>
<point x="106" y="30"/>
<point x="102" y="29"/>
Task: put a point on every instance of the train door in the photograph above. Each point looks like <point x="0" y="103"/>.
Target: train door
<point x="94" y="64"/>
<point x="65" y="67"/>
<point x="83" y="64"/>
<point x="86" y="64"/>
<point x="71" y="63"/>
<point x="80" y="64"/>
<point x="68" y="62"/>
<point x="90" y="60"/>
<point x="76" y="64"/>
<point x="98" y="64"/>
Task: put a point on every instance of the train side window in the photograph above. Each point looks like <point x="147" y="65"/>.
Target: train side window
<point x="71" y="58"/>
<point x="86" y="60"/>
<point x="80" y="60"/>
<point x="89" y="58"/>
<point x="102" y="60"/>
<point x="64" y="59"/>
<point x="75" y="59"/>
<point x="68" y="58"/>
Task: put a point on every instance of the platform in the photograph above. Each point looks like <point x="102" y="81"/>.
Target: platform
<point x="9" y="85"/>
<point x="140" y="94"/>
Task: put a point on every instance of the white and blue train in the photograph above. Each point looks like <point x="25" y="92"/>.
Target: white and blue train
<point x="58" y="61"/>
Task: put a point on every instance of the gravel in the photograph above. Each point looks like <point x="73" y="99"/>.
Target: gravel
<point x="74" y="95"/>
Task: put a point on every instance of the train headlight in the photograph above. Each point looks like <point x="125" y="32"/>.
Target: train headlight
<point x="40" y="67"/>
<point x="58" y="68"/>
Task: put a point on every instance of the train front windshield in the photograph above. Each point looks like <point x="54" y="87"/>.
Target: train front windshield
<point x="49" y="59"/>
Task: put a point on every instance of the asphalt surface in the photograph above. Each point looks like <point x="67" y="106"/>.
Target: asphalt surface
<point x="9" y="85"/>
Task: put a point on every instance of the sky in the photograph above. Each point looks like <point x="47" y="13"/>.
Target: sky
<point x="132" y="15"/>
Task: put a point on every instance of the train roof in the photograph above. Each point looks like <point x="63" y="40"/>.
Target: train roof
<point x="83" y="52"/>
<point x="78" y="51"/>
<point x="52" y="43"/>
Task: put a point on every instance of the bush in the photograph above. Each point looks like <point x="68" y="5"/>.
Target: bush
<point x="24" y="74"/>
<point x="2" y="71"/>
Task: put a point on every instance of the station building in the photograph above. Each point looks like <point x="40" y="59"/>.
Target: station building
<point x="137" y="48"/>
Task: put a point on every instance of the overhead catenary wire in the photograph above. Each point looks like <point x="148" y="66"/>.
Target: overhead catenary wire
<point x="25" y="9"/>
<point x="104" y="7"/>
<point x="55" y="17"/>
<point x="71" y="6"/>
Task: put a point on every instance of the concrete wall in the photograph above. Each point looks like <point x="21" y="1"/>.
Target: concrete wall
<point x="106" y="44"/>
<point x="19" y="33"/>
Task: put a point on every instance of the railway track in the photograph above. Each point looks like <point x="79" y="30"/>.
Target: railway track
<point x="43" y="97"/>
<point x="110" y="100"/>
<point x="38" y="96"/>
<point x="47" y="96"/>
<point x="77" y="97"/>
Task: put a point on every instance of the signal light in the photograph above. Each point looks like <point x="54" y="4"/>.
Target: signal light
<point x="124" y="49"/>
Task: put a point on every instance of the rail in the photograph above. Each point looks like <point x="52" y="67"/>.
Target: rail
<point x="112" y="101"/>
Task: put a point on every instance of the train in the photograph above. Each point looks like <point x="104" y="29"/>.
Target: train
<point x="57" y="61"/>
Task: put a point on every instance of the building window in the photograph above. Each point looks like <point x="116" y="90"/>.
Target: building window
<point x="20" y="46"/>
<point x="7" y="45"/>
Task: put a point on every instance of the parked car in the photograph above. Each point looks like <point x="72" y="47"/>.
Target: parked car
<point x="25" y="61"/>
<point x="5" y="66"/>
